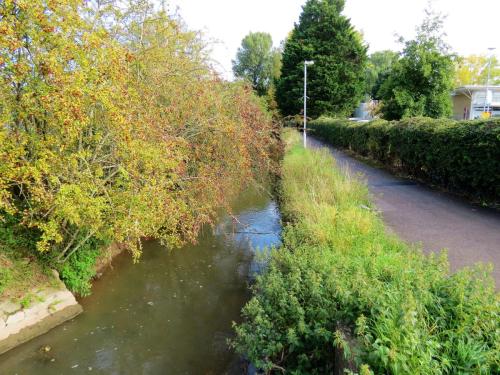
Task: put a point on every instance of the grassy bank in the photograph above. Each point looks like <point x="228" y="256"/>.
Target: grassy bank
<point x="20" y="274"/>
<point x="460" y="156"/>
<point x="20" y="271"/>
<point x="338" y="267"/>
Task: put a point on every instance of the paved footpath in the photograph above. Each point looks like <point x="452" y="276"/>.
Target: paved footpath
<point x="437" y="220"/>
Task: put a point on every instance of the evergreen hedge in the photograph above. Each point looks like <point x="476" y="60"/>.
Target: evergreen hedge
<point x="460" y="156"/>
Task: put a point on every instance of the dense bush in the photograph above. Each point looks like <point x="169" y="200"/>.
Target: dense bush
<point x="114" y="127"/>
<point x="79" y="270"/>
<point x="461" y="156"/>
<point x="338" y="271"/>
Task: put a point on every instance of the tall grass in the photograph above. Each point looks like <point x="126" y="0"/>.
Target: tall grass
<point x="338" y="267"/>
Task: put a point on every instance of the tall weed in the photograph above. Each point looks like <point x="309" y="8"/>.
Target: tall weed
<point x="340" y="273"/>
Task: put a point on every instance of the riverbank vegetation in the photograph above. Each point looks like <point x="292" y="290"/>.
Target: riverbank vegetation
<point x="114" y="127"/>
<point x="340" y="280"/>
<point x="19" y="270"/>
<point x="460" y="156"/>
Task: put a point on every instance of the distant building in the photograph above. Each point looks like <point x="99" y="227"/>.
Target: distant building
<point x="469" y="102"/>
<point x="364" y="110"/>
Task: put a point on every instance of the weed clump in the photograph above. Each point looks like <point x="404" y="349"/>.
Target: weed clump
<point x="338" y="267"/>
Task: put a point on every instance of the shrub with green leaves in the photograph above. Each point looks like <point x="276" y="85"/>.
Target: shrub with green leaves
<point x="339" y="274"/>
<point x="78" y="272"/>
<point x="461" y="156"/>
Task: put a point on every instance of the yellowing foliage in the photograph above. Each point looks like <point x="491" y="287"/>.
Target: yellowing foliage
<point x="473" y="70"/>
<point x="114" y="127"/>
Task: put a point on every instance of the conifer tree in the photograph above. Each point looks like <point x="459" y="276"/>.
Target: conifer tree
<point x="336" y="81"/>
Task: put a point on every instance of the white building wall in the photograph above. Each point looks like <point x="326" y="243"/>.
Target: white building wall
<point x="479" y="103"/>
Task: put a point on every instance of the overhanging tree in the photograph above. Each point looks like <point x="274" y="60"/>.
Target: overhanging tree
<point x="336" y="82"/>
<point x="114" y="127"/>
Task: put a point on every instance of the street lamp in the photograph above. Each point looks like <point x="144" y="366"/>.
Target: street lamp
<point x="306" y="64"/>
<point x="486" y="101"/>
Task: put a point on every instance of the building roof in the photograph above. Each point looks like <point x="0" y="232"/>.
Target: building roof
<point x="468" y="89"/>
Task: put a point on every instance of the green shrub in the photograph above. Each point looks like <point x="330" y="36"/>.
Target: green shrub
<point x="77" y="272"/>
<point x="461" y="156"/>
<point x="339" y="268"/>
<point x="14" y="235"/>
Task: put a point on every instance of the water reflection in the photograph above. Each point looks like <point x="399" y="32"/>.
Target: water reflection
<point x="169" y="314"/>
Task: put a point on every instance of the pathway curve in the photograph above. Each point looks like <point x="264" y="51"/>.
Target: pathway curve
<point x="437" y="220"/>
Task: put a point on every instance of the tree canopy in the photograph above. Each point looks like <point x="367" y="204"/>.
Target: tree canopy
<point x="113" y="127"/>
<point x="378" y="69"/>
<point x="257" y="61"/>
<point x="473" y="70"/>
<point x="420" y="82"/>
<point x="336" y="81"/>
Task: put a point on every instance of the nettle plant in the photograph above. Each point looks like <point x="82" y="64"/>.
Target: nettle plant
<point x="341" y="281"/>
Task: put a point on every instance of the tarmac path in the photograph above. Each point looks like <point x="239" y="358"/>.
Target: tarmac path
<point x="435" y="219"/>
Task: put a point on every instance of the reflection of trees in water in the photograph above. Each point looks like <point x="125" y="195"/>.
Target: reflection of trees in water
<point x="256" y="197"/>
<point x="196" y="292"/>
<point x="254" y="230"/>
<point x="255" y="227"/>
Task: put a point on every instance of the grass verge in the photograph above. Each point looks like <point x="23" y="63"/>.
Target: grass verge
<point x="338" y="267"/>
<point x="20" y="271"/>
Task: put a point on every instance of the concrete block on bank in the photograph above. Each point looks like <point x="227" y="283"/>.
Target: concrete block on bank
<point x="8" y="307"/>
<point x="3" y="330"/>
<point x="52" y="307"/>
<point x="341" y="361"/>
<point x="15" y="318"/>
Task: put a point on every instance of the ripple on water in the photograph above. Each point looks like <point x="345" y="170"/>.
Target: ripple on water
<point x="169" y="314"/>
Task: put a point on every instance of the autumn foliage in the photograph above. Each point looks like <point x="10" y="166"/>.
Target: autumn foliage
<point x="113" y="127"/>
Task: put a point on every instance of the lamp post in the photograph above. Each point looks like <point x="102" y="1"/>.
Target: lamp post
<point x="486" y="101"/>
<point x="306" y="63"/>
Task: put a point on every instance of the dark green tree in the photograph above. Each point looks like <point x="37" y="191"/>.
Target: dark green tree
<point x="336" y="80"/>
<point x="421" y="81"/>
<point x="378" y="69"/>
<point x="258" y="62"/>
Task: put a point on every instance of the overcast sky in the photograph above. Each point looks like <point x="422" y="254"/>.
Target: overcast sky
<point x="472" y="26"/>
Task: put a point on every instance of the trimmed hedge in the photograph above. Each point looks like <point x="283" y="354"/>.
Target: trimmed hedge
<point x="460" y="156"/>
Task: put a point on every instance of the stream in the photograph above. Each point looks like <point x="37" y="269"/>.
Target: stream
<point x="171" y="313"/>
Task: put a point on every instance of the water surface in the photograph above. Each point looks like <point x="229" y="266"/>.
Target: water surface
<point x="169" y="314"/>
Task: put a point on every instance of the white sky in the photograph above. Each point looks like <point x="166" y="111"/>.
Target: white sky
<point x="472" y="26"/>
